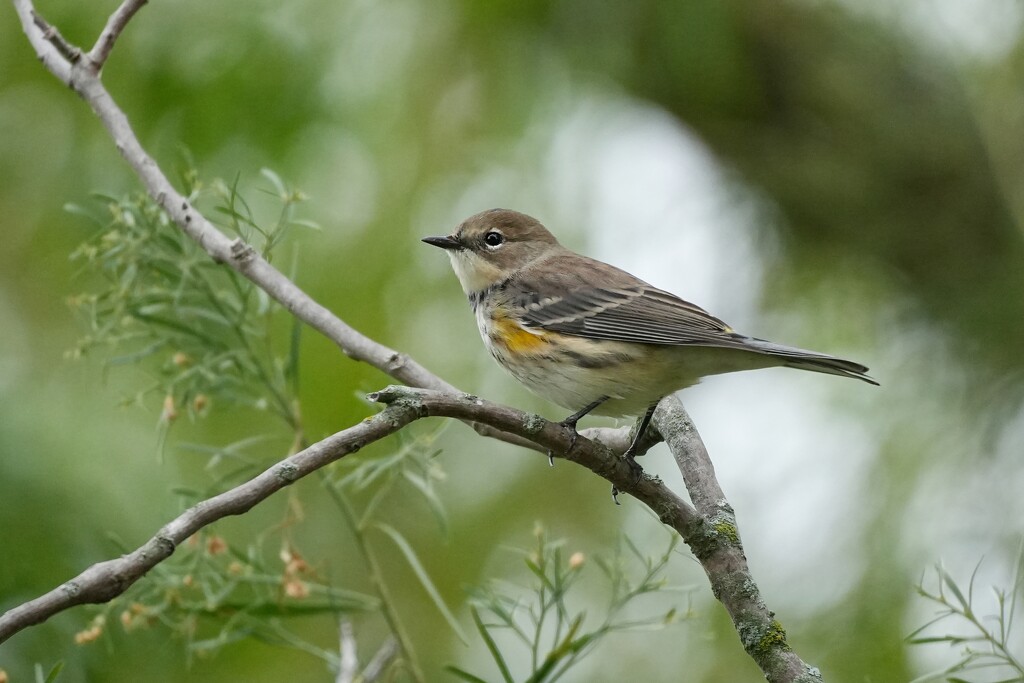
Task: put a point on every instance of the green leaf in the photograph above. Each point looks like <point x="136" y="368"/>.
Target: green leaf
<point x="132" y="358"/>
<point x="464" y="675"/>
<point x="491" y="645"/>
<point x="50" y="677"/>
<point x="79" y="210"/>
<point x="291" y="369"/>
<point x="433" y="501"/>
<point x="266" y="609"/>
<point x="421" y="574"/>
<point x="932" y="622"/>
<point x="275" y="180"/>
<point x="951" y="584"/>
<point x="234" y="450"/>
<point x="55" y="671"/>
<point x="568" y="647"/>
<point x="222" y="639"/>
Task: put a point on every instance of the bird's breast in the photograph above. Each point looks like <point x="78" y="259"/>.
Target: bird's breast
<point x="508" y="340"/>
<point x="570" y="371"/>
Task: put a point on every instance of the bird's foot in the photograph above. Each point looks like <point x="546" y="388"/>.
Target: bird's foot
<point x="630" y="459"/>
<point x="638" y="471"/>
<point x="630" y="455"/>
<point x="570" y="427"/>
<point x="569" y="423"/>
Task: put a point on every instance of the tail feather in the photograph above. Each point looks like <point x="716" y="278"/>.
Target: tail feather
<point x="793" y="357"/>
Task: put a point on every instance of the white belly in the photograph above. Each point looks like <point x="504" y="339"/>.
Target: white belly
<point x="576" y="371"/>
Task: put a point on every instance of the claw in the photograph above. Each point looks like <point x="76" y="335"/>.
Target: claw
<point x="630" y="454"/>
<point x="634" y="465"/>
<point x="573" y="435"/>
<point x="569" y="423"/>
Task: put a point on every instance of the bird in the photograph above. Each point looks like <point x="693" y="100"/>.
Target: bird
<point x="591" y="337"/>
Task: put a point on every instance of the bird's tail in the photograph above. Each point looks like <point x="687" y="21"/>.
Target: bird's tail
<point x="793" y="357"/>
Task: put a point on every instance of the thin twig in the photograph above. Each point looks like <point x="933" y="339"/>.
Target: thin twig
<point x="348" y="663"/>
<point x="385" y="653"/>
<point x="115" y="25"/>
<point x="71" y="53"/>
<point x="389" y="608"/>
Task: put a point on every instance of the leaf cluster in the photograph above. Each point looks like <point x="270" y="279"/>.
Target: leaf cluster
<point x="984" y="640"/>
<point x="541" y="616"/>
<point x="200" y="331"/>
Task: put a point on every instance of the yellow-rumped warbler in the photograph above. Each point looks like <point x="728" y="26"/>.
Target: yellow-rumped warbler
<point x="591" y="337"/>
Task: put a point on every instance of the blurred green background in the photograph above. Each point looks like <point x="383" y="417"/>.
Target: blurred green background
<point x="843" y="176"/>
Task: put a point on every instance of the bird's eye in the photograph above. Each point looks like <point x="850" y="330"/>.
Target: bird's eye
<point x="494" y="238"/>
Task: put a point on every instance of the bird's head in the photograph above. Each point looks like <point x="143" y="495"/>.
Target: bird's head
<point x="490" y="246"/>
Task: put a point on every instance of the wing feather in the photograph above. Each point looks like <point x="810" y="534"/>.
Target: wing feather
<point x="591" y="299"/>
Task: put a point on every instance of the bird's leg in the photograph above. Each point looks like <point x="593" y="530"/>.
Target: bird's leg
<point x="645" y="421"/>
<point x="570" y="423"/>
<point x="630" y="454"/>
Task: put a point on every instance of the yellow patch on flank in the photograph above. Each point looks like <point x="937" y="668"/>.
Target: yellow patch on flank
<point x="515" y="338"/>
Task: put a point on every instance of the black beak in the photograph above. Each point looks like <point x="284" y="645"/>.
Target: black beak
<point x="443" y="242"/>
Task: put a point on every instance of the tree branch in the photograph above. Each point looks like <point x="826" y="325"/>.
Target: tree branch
<point x="385" y="653"/>
<point x="714" y="539"/>
<point x="57" y="60"/>
<point x="104" y="581"/>
<point x="708" y="527"/>
<point x="550" y="436"/>
<point x="115" y="24"/>
<point x="236" y="254"/>
<point x="720" y="552"/>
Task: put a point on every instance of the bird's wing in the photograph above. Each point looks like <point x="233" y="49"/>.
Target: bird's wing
<point x="579" y="296"/>
<point x="576" y="295"/>
<point x="634" y="314"/>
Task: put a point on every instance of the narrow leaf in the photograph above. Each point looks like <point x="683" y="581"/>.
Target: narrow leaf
<point x="291" y="370"/>
<point x="421" y="574"/>
<point x="951" y="584"/>
<point x="276" y="181"/>
<point x="52" y="676"/>
<point x="55" y="671"/>
<point x="433" y="501"/>
<point x="491" y="645"/>
<point x="464" y="675"/>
